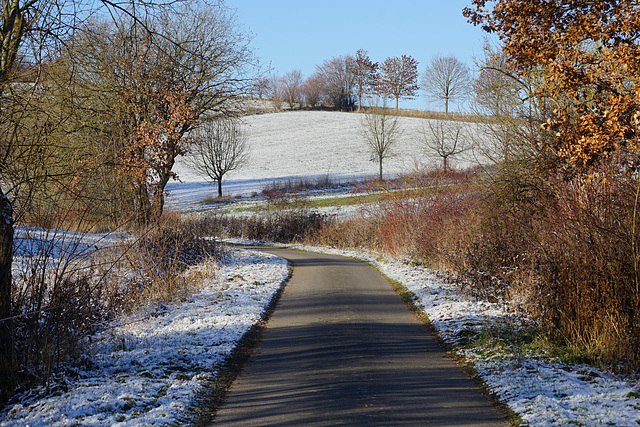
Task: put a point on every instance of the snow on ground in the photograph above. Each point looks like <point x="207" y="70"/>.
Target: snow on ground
<point x="541" y="392"/>
<point x="59" y="243"/>
<point x="148" y="369"/>
<point x="309" y="144"/>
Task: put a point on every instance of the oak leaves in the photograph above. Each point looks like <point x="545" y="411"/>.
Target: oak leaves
<point x="590" y="59"/>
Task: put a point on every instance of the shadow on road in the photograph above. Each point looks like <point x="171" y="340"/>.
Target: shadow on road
<point x="342" y="349"/>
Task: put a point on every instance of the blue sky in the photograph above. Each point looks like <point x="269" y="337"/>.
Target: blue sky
<point x="299" y="34"/>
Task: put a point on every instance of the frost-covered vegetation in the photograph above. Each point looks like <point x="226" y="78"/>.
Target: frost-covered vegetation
<point x="416" y="220"/>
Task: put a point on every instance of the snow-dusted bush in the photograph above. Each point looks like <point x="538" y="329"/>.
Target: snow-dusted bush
<point x="68" y="284"/>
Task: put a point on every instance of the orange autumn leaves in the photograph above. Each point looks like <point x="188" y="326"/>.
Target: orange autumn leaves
<point x="588" y="55"/>
<point x="159" y="111"/>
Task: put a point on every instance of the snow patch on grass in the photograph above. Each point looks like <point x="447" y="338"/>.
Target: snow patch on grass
<point x="147" y="369"/>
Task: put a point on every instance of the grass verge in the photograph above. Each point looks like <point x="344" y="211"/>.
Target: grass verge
<point x="409" y="299"/>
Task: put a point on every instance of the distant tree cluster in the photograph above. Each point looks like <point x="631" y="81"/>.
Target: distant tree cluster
<point x="346" y="82"/>
<point x="343" y="82"/>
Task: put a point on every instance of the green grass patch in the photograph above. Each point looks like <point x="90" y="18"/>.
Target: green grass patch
<point x="215" y="200"/>
<point x="523" y="341"/>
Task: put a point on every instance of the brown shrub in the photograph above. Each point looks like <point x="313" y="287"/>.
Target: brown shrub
<point x="566" y="250"/>
<point x="66" y="288"/>
<point x="587" y="260"/>
<point x="358" y="231"/>
<point x="569" y="255"/>
<point x="159" y="255"/>
<point x="284" y="226"/>
<point x="405" y="225"/>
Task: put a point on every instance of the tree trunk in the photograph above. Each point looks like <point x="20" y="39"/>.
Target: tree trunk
<point x="158" y="196"/>
<point x="142" y="205"/>
<point x="380" y="168"/>
<point x="219" y="188"/>
<point x="6" y="258"/>
<point x="158" y="205"/>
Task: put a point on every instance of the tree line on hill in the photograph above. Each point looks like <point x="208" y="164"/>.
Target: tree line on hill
<point x="343" y="81"/>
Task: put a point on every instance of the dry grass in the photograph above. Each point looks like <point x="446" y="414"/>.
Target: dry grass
<point x="434" y="115"/>
<point x="409" y="217"/>
<point x="215" y="200"/>
<point x="272" y="225"/>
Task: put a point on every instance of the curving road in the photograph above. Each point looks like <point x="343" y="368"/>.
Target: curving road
<point x="343" y="349"/>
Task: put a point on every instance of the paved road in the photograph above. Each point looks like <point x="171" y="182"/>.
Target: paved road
<point x="342" y="349"/>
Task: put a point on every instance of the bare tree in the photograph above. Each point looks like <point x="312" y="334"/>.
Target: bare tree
<point x="26" y="27"/>
<point x="513" y="116"/>
<point x="31" y="29"/>
<point x="446" y="79"/>
<point x="291" y="84"/>
<point x="398" y="78"/>
<point x="222" y="147"/>
<point x="337" y="81"/>
<point x="275" y="92"/>
<point x="364" y="75"/>
<point x="312" y="90"/>
<point x="260" y="87"/>
<point x="42" y="31"/>
<point x="381" y="131"/>
<point x="445" y="139"/>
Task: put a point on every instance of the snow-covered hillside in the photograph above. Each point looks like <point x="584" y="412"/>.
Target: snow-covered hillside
<point x="310" y="144"/>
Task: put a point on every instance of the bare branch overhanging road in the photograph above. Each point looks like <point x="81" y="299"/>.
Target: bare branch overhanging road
<point x="342" y="348"/>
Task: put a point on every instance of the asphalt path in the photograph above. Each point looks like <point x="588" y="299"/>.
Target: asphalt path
<point x="342" y="348"/>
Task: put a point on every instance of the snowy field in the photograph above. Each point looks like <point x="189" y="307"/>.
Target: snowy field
<point x="311" y="144"/>
<point x="149" y="369"/>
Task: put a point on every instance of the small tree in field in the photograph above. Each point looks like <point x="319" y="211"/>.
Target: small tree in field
<point x="336" y="76"/>
<point x="312" y="90"/>
<point x="381" y="130"/>
<point x="446" y="79"/>
<point x="222" y="147"/>
<point x="275" y="91"/>
<point x="444" y="139"/>
<point x="364" y="75"/>
<point x="291" y="84"/>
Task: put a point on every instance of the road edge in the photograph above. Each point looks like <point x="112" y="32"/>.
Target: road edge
<point x="206" y="406"/>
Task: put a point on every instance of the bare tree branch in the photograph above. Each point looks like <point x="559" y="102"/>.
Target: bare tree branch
<point x="446" y="79"/>
<point x="381" y="130"/>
